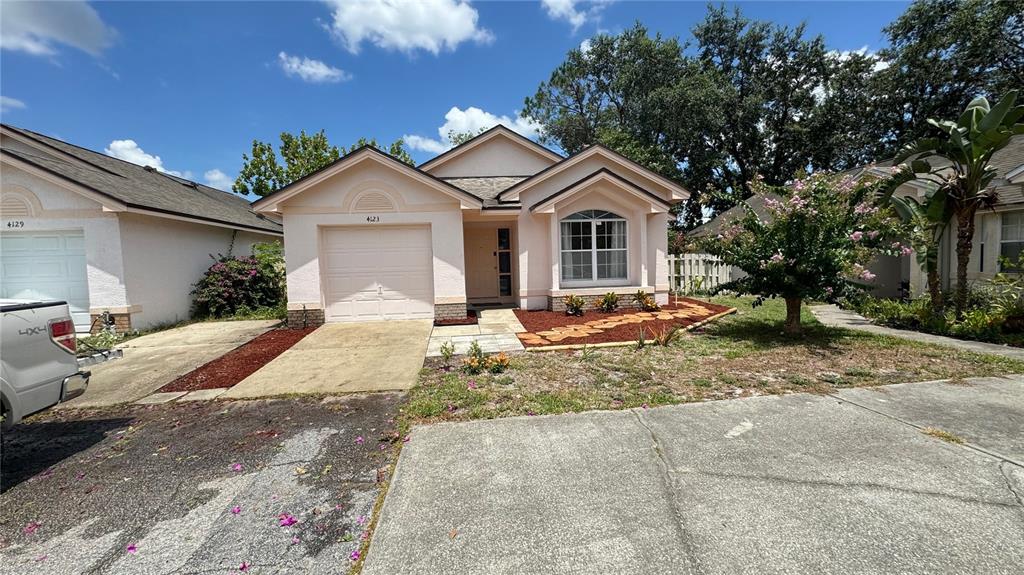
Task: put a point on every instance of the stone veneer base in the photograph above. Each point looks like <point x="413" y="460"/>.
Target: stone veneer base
<point x="300" y="318"/>
<point x="450" y="311"/>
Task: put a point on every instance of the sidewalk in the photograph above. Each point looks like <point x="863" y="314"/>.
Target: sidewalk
<point x="833" y="316"/>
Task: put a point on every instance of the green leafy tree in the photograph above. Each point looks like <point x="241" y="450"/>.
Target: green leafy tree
<point x="262" y="172"/>
<point x="940" y="54"/>
<point x="815" y="243"/>
<point x="963" y="173"/>
<point x="926" y="221"/>
<point x="459" y="138"/>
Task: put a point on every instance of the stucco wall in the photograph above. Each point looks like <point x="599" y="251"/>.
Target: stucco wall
<point x="55" y="208"/>
<point x="498" y="156"/>
<point x="332" y="203"/>
<point x="165" y="257"/>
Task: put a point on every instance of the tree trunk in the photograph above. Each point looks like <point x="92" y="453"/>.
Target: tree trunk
<point x="792" y="315"/>
<point x="935" y="290"/>
<point x="964" y="244"/>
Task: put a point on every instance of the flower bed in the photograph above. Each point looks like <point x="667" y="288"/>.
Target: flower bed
<point x="240" y="363"/>
<point x="547" y="328"/>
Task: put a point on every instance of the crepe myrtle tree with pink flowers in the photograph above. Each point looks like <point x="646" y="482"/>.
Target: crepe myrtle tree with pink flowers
<point x="816" y="242"/>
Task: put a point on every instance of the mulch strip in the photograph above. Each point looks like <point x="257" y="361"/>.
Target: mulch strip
<point x="239" y="363"/>
<point x="544" y="328"/>
<point x="470" y="319"/>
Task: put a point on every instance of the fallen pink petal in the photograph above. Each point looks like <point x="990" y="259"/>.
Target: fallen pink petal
<point x="132" y="549"/>
<point x="236" y="510"/>
<point x="244" y="566"/>
<point x="295" y="540"/>
<point x="354" y="556"/>
<point x="236" y="467"/>
<point x="31" y="528"/>
<point x="42" y="558"/>
<point x="359" y="440"/>
<point x="361" y="519"/>
<point x="286" y="520"/>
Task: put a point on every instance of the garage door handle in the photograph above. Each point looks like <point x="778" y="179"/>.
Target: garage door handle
<point x="380" y="290"/>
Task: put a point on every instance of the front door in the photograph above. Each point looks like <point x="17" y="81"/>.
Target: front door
<point x="488" y="263"/>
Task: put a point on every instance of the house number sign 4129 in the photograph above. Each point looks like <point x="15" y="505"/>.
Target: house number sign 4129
<point x="15" y="224"/>
<point x="373" y="219"/>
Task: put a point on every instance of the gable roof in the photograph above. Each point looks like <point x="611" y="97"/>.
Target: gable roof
<point x="497" y="131"/>
<point x="486" y="188"/>
<point x="603" y="174"/>
<point x="133" y="186"/>
<point x="363" y="153"/>
<point x="677" y="191"/>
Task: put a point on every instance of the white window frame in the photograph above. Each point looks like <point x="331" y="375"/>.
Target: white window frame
<point x="593" y="281"/>
<point x="1003" y="240"/>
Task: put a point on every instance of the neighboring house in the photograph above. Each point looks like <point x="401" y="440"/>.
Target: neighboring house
<point x="999" y="232"/>
<point x="496" y="220"/>
<point x="108" y="236"/>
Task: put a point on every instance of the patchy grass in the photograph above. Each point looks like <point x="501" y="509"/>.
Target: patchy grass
<point x="741" y="355"/>
<point x="943" y="435"/>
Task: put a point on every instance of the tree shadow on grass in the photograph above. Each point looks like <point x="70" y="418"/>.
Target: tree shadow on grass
<point x="31" y="448"/>
<point x="765" y="335"/>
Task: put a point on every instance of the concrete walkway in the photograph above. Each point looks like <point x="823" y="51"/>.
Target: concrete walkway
<point x="343" y="358"/>
<point x="496" y="331"/>
<point x="152" y="361"/>
<point x="797" y="484"/>
<point x="834" y="316"/>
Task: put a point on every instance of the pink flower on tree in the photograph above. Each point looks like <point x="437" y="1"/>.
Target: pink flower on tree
<point x="857" y="236"/>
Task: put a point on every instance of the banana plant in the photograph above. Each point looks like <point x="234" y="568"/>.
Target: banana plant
<point x="963" y="173"/>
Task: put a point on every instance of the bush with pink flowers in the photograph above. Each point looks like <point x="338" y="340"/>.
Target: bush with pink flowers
<point x="235" y="286"/>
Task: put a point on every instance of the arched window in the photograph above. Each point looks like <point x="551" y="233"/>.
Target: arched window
<point x="593" y="248"/>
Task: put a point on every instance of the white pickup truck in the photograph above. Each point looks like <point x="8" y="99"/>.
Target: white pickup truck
<point x="39" y="367"/>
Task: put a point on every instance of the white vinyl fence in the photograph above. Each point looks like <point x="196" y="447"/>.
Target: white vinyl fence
<point x="694" y="273"/>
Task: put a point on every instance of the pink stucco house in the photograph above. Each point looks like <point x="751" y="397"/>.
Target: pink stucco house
<point x="497" y="220"/>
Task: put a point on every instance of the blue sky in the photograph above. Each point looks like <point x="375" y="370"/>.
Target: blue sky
<point x="194" y="83"/>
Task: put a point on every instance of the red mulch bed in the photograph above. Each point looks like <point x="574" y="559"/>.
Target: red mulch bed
<point x="240" y="363"/>
<point x="542" y="320"/>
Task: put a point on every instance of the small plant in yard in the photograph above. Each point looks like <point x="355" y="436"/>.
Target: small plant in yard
<point x="815" y="242"/>
<point x="645" y="301"/>
<point x="474" y="362"/>
<point x="447" y="351"/>
<point x="587" y="353"/>
<point x="667" y="335"/>
<point x="497" y="363"/>
<point x="943" y="435"/>
<point x="609" y="302"/>
<point x="641" y="339"/>
<point x="574" y="304"/>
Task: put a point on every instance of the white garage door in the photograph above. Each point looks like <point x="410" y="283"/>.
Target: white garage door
<point x="48" y="266"/>
<point x="377" y="273"/>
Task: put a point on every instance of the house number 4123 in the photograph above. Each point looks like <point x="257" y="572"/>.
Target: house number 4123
<point x="373" y="219"/>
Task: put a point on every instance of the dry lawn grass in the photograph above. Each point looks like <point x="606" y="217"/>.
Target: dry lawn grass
<point x="739" y="356"/>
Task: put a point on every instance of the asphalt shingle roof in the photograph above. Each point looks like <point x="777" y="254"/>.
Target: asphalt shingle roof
<point x="486" y="188"/>
<point x="140" y="187"/>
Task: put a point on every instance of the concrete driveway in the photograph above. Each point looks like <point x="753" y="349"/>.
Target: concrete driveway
<point x="784" y="484"/>
<point x="194" y="487"/>
<point x="152" y="361"/>
<point x="344" y="358"/>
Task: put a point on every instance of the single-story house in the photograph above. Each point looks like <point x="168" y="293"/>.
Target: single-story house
<point x="999" y="232"/>
<point x="497" y="220"/>
<point x="112" y="238"/>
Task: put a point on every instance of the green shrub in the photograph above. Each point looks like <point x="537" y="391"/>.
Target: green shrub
<point x="574" y="304"/>
<point x="447" y="351"/>
<point x="609" y="302"/>
<point x="234" y="284"/>
<point x="645" y="301"/>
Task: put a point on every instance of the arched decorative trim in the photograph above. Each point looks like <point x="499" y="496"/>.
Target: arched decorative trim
<point x="373" y="201"/>
<point x="373" y="196"/>
<point x="19" y="202"/>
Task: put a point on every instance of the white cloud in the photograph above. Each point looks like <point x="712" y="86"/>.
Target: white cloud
<point x="844" y="55"/>
<point x="129" y="151"/>
<point x="218" y="179"/>
<point x="34" y="27"/>
<point x="7" y="104"/>
<point x="313" y="71"/>
<point x="471" y="120"/>
<point x="571" y="11"/>
<point x="406" y="25"/>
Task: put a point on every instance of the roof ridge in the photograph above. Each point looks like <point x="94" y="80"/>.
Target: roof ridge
<point x="36" y="136"/>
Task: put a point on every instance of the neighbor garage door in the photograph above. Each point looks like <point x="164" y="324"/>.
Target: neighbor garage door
<point x="46" y="266"/>
<point x="377" y="273"/>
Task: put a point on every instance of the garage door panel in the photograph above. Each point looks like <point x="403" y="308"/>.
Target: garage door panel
<point x="377" y="273"/>
<point x="46" y="266"/>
